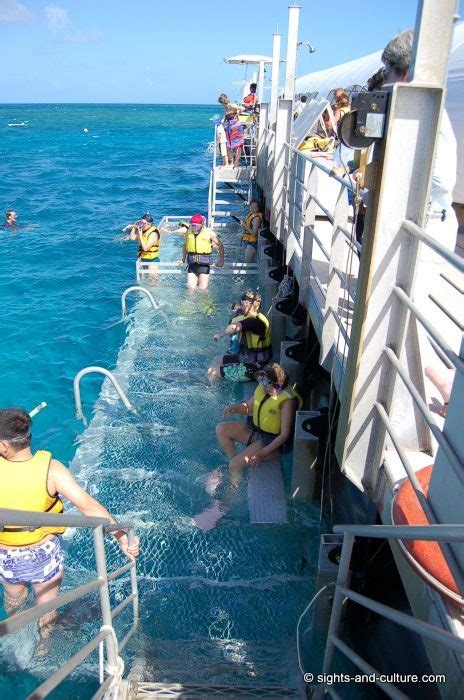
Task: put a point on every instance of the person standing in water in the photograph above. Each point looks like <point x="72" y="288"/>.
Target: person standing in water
<point x="251" y="226"/>
<point x="148" y="237"/>
<point x="197" y="251"/>
<point x="37" y="482"/>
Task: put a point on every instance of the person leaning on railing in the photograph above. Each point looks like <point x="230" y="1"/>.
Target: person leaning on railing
<point x="37" y="482"/>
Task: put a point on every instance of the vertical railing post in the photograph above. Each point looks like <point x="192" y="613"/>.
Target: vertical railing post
<point x="338" y="250"/>
<point x="261" y="147"/>
<point x="309" y="219"/>
<point x="276" y="41"/>
<point x="281" y="153"/>
<point x="133" y="577"/>
<point x="292" y="46"/>
<point x="105" y="605"/>
<point x="342" y="580"/>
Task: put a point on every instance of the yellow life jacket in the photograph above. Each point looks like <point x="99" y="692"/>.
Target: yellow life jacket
<point x="252" y="237"/>
<point x="152" y="252"/>
<point x="198" y="246"/>
<point x="251" y="344"/>
<point x="266" y="408"/>
<point x="24" y="487"/>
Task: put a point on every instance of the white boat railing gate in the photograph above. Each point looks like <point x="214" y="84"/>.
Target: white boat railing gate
<point x="106" y="635"/>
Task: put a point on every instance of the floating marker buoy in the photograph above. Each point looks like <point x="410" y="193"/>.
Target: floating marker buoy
<point x="86" y="131"/>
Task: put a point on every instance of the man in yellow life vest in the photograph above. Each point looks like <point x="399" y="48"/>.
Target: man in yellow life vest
<point x="197" y="251"/>
<point x="251" y="226"/>
<point x="148" y="238"/>
<point x="37" y="482"/>
<point x="254" y="339"/>
<point x="268" y="428"/>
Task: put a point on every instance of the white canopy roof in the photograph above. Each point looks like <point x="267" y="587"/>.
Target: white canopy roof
<point x="250" y="60"/>
<point x="358" y="71"/>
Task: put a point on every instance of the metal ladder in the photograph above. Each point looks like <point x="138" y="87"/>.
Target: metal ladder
<point x="450" y="534"/>
<point x="106" y="636"/>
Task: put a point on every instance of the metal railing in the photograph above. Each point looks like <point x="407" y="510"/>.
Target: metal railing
<point x="432" y="533"/>
<point x="137" y="288"/>
<point x="106" y="635"/>
<point x="113" y="380"/>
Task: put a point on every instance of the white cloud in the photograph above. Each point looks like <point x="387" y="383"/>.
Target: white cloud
<point x="14" y="11"/>
<point x="89" y="36"/>
<point x="56" y="17"/>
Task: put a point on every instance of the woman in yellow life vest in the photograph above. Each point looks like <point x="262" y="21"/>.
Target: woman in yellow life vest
<point x="36" y="482"/>
<point x="254" y="340"/>
<point x="251" y="226"/>
<point x="197" y="251"/>
<point x="268" y="428"/>
<point x="148" y="238"/>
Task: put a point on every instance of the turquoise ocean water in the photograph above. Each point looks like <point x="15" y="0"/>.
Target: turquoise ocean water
<point x="218" y="606"/>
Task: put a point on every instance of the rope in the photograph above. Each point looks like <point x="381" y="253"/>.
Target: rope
<point x="116" y="671"/>
<point x="285" y="287"/>
<point x="310" y="604"/>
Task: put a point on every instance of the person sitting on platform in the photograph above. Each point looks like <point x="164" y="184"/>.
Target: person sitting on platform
<point x="251" y="226"/>
<point x="148" y="237"/>
<point x="299" y="106"/>
<point x="268" y="428"/>
<point x="340" y="104"/>
<point x="37" y="482"/>
<point x="255" y="343"/>
<point x="249" y="102"/>
<point x="197" y="251"/>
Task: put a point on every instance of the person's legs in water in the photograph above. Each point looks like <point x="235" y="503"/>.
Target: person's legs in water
<point x="44" y="592"/>
<point x="14" y="596"/>
<point x="230" y="433"/>
<point x="241" y="460"/>
<point x="203" y="281"/>
<point x="250" y="252"/>
<point x="192" y="280"/>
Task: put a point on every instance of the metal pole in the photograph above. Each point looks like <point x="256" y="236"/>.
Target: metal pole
<point x="260" y="97"/>
<point x="292" y="42"/>
<point x="342" y="580"/>
<point x="136" y="289"/>
<point x="133" y="577"/>
<point x="276" y="41"/>
<point x="100" y="560"/>
<point x="111" y="377"/>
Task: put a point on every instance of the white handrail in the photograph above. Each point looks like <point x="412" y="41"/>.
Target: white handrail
<point x="111" y="377"/>
<point x="136" y="288"/>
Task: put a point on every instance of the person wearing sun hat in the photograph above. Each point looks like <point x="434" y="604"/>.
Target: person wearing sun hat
<point x="197" y="252"/>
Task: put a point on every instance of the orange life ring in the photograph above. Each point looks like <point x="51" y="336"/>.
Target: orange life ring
<point x="426" y="558"/>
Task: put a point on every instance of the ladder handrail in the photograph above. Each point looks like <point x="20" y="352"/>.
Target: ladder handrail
<point x="106" y="632"/>
<point x="436" y="533"/>
<point x="113" y="380"/>
<point x="136" y="288"/>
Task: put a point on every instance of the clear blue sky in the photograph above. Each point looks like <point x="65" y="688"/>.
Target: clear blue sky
<point x="171" y="50"/>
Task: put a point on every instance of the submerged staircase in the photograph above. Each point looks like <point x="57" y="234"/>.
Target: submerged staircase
<point x="134" y="690"/>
